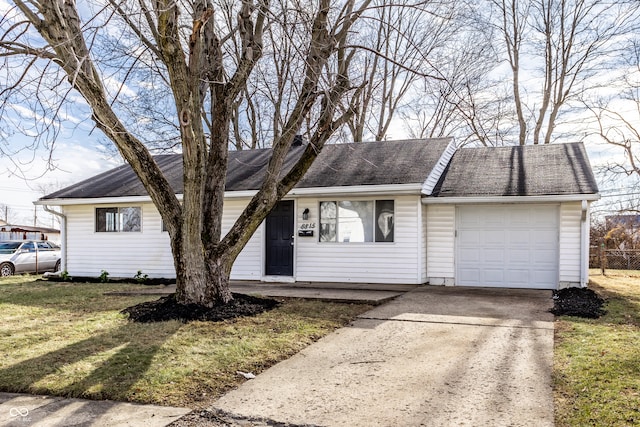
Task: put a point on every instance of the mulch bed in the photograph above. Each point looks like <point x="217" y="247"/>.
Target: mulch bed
<point x="167" y="308"/>
<point x="579" y="302"/>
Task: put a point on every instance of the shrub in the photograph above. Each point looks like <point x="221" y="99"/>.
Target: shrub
<point x="104" y="276"/>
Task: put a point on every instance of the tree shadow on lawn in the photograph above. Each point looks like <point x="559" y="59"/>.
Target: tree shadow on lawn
<point x="77" y="298"/>
<point x="621" y="308"/>
<point x="133" y="348"/>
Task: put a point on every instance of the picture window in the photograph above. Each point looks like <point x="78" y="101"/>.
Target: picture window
<point x="361" y="221"/>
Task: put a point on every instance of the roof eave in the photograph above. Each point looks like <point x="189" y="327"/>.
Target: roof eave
<point x="358" y="190"/>
<point x="551" y="198"/>
<point x="94" y="201"/>
<point x="355" y="190"/>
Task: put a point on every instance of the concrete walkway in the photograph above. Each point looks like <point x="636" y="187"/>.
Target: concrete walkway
<point x="436" y="356"/>
<point x="21" y="410"/>
<point x="365" y="293"/>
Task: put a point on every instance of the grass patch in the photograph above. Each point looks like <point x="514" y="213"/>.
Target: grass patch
<point x="69" y="339"/>
<point x="597" y="361"/>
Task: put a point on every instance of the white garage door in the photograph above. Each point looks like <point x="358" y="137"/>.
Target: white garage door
<point x="514" y="246"/>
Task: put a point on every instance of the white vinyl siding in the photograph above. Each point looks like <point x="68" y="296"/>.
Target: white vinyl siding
<point x="441" y="243"/>
<point x="123" y="254"/>
<point x="119" y="254"/>
<point x="570" y="229"/>
<point x="371" y="262"/>
<point x="248" y="265"/>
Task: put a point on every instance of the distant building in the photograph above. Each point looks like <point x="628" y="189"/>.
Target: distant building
<point x="628" y="221"/>
<point x="622" y="231"/>
<point x="25" y="232"/>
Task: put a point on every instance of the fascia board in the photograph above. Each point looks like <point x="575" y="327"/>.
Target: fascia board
<point x="94" y="201"/>
<point x="511" y="199"/>
<point x="356" y="190"/>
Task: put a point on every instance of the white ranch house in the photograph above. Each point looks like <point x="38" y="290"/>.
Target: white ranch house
<point x="405" y="212"/>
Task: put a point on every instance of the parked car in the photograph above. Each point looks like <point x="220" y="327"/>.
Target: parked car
<point x="28" y="256"/>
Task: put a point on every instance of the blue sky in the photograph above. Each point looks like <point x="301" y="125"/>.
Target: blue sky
<point x="25" y="177"/>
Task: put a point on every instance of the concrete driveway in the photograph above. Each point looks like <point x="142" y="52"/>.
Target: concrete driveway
<point x="435" y="356"/>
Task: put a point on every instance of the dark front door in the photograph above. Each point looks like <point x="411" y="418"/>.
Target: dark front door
<point x="279" y="248"/>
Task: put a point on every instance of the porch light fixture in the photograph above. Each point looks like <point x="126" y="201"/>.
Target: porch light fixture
<point x="305" y="214"/>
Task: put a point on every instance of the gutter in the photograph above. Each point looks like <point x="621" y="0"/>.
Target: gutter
<point x="555" y="198"/>
<point x="356" y="190"/>
<point x="584" y="245"/>
<point x="63" y="236"/>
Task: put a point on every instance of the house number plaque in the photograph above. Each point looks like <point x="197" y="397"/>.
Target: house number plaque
<point x="306" y="229"/>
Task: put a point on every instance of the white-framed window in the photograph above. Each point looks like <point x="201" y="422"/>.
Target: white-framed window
<point x="121" y="219"/>
<point x="357" y="221"/>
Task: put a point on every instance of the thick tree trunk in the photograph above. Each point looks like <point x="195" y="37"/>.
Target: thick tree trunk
<point x="202" y="256"/>
<point x="202" y="279"/>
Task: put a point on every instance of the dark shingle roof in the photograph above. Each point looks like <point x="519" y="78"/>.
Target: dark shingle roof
<point x="530" y="170"/>
<point x="386" y="162"/>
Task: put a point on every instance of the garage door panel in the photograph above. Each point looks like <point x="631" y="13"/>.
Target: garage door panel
<point x="470" y="238"/>
<point x="544" y="237"/>
<point x="471" y="254"/>
<point x="545" y="217"/>
<point x="544" y="258"/>
<point x="469" y="275"/>
<point x="507" y="246"/>
<point x="519" y="237"/>
<point x="518" y="256"/>
<point x="494" y="239"/>
<point x="519" y="218"/>
<point x="519" y="277"/>
<point x="549" y="277"/>
<point x="469" y="218"/>
<point x="493" y="277"/>
<point x="493" y="255"/>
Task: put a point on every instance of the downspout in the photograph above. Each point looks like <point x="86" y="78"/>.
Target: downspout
<point x="63" y="236"/>
<point x="584" y="244"/>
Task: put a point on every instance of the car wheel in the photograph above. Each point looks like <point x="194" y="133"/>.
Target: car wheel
<point x="57" y="267"/>
<point x="6" y="269"/>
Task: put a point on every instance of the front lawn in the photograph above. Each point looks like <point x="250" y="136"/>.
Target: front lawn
<point x="597" y="361"/>
<point x="69" y="339"/>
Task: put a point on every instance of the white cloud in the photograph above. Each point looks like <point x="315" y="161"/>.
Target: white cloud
<point x="114" y="86"/>
<point x="19" y="188"/>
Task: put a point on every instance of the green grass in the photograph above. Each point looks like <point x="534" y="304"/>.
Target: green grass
<point x="597" y="361"/>
<point x="69" y="339"/>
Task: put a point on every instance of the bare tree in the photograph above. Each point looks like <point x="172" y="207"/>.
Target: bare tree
<point x="55" y="51"/>
<point x="464" y="101"/>
<point x="554" y="49"/>
<point x="394" y="52"/>
<point x="618" y="117"/>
